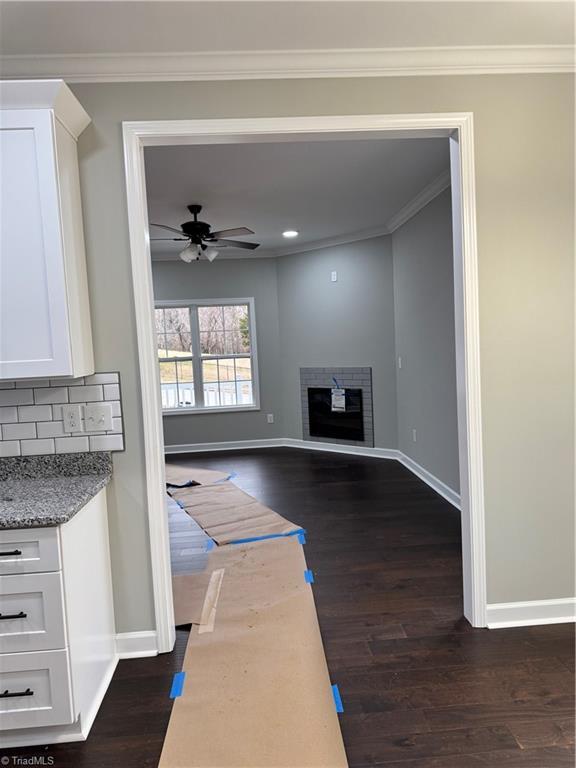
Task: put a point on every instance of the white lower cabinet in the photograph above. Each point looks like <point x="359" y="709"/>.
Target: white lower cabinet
<point x="31" y="613"/>
<point x="35" y="689"/>
<point x="57" y="632"/>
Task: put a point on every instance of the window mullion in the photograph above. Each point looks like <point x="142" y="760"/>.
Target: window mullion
<point x="197" y="357"/>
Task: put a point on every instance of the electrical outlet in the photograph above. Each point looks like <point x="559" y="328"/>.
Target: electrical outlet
<point x="72" y="418"/>
<point x="413" y="435"/>
<point x="334" y="276"/>
<point x="98" y="417"/>
<point x="270" y="418"/>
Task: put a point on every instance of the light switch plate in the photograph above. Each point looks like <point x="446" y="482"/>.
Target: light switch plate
<point x="72" y="418"/>
<point x="98" y="417"/>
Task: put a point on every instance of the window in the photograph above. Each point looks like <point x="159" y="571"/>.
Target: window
<point x="207" y="355"/>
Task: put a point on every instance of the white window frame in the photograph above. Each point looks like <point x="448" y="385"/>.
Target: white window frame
<point x="197" y="359"/>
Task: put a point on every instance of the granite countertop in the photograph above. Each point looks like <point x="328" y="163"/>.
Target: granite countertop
<point x="40" y="491"/>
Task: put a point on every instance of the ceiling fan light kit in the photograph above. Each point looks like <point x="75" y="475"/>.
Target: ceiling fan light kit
<point x="202" y="240"/>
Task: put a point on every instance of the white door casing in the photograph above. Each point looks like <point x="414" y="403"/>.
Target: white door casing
<point x="458" y="127"/>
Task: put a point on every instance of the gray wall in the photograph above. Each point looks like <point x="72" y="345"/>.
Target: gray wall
<point x="524" y="161"/>
<point x="227" y="279"/>
<point x="424" y="325"/>
<point x="346" y="323"/>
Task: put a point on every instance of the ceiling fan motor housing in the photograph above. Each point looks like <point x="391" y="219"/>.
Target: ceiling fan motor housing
<point x="196" y="230"/>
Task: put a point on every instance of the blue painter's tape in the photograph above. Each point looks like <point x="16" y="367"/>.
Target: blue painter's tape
<point x="177" y="685"/>
<point x="210" y="544"/>
<point x="302" y="538"/>
<point x="337" y="699"/>
<point x="308" y="577"/>
<point x="268" y="536"/>
<point x="231" y="476"/>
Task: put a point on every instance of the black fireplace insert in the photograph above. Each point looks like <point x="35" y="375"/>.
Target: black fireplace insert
<point x="339" y="425"/>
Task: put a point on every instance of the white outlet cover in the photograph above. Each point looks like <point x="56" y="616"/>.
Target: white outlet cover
<point x="72" y="418"/>
<point x="98" y="417"/>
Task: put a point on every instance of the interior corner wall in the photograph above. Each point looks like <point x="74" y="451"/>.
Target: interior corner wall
<point x="425" y="343"/>
<point x="229" y="279"/>
<point x="349" y="322"/>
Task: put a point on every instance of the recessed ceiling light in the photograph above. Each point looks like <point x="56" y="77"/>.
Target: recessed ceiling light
<point x="290" y="233"/>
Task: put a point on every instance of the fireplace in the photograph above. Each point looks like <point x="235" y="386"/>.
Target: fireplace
<point x="348" y="421"/>
<point x="324" y="421"/>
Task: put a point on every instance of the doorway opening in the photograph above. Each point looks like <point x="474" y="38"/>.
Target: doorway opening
<point x="457" y="131"/>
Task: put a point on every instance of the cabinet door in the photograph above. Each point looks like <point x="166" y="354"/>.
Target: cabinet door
<point x="34" y="336"/>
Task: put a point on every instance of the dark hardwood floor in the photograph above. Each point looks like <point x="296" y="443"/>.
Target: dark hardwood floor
<point x="420" y="687"/>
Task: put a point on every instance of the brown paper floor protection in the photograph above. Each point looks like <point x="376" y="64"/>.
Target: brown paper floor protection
<point x="181" y="474"/>
<point x="257" y="692"/>
<point x="226" y="513"/>
<point x="189" y="591"/>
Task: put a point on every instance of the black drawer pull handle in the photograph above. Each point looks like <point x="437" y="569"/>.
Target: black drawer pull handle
<point x="12" y="552"/>
<point x="13" y="694"/>
<point x="20" y="615"/>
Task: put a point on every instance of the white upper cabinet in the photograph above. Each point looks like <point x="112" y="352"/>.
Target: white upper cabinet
<point x="44" y="309"/>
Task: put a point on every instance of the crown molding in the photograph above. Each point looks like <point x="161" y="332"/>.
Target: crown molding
<point x="331" y="242"/>
<point x="289" y="64"/>
<point x="45" y="94"/>
<point x="419" y="201"/>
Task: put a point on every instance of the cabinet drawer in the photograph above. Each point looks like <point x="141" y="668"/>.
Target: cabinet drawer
<point x="29" y="550"/>
<point x="31" y="612"/>
<point x="35" y="690"/>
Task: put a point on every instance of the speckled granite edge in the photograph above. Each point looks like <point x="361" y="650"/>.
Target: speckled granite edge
<point x="52" y="509"/>
<point x="55" y="465"/>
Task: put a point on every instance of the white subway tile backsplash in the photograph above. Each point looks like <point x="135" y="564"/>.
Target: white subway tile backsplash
<point x="32" y="383"/>
<point x="19" y="431"/>
<point x="16" y="397"/>
<point x="102" y="378"/>
<point x="50" y="429"/>
<point x="51" y="395"/>
<point x="85" y="394"/>
<point x="34" y="413"/>
<point x="36" y="447"/>
<point x="106" y="443"/>
<point x="64" y="382"/>
<point x="8" y="414"/>
<point x="111" y="392"/>
<point x="116" y="425"/>
<point x="57" y="412"/>
<point x="31" y="415"/>
<point x="9" y="448"/>
<point x="72" y="445"/>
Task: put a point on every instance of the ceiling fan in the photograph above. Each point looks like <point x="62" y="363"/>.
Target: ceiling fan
<point x="201" y="240"/>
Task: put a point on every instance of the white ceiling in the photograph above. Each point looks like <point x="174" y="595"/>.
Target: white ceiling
<point x="323" y="189"/>
<point x="223" y="39"/>
<point x="142" y="27"/>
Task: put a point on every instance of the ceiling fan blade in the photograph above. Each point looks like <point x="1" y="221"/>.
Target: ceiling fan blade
<point x="168" y="239"/>
<point x="170" y="229"/>
<point x="230" y="232"/>
<point x="233" y="244"/>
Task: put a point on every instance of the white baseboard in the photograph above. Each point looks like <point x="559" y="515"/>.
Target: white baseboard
<point x="310" y="445"/>
<point x="562" y="611"/>
<point x="444" y="490"/>
<point x="232" y="445"/>
<point x="354" y="450"/>
<point x="136" y="645"/>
